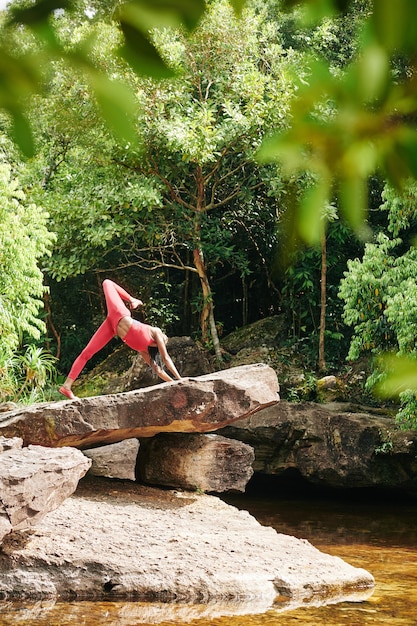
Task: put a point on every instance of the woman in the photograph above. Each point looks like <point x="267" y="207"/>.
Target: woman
<point x="143" y="338"/>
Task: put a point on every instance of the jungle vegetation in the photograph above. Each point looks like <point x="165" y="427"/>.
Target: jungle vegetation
<point x="223" y="160"/>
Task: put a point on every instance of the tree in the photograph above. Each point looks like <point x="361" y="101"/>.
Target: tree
<point x="24" y="74"/>
<point x="369" y="289"/>
<point x="174" y="198"/>
<point x="310" y="284"/>
<point x="342" y="147"/>
<point x="24" y="240"/>
<point x="201" y="135"/>
<point x="380" y="303"/>
<point x="348" y="125"/>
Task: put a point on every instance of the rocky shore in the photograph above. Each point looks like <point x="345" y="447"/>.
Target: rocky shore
<point x="70" y="535"/>
<point x="121" y="540"/>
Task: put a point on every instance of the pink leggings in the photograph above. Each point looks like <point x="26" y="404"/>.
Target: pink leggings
<point x="116" y="309"/>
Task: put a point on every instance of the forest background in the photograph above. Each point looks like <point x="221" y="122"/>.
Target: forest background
<point x="224" y="162"/>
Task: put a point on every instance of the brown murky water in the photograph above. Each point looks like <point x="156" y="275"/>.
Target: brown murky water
<point x="380" y="537"/>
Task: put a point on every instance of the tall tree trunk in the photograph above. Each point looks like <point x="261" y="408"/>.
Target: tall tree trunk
<point x="244" y="302"/>
<point x="50" y="324"/>
<point x="186" y="298"/>
<point x="207" y="321"/>
<point x="323" y="301"/>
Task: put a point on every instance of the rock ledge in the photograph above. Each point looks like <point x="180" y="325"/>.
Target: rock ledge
<point x="114" y="541"/>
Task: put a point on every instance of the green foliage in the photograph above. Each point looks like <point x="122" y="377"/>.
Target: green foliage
<point x="138" y="18"/>
<point x="395" y="376"/>
<point x="24" y="241"/>
<point x="161" y="307"/>
<point x="380" y="303"/>
<point x="401" y="208"/>
<point x="407" y="414"/>
<point x="380" y="297"/>
<point x="305" y="391"/>
<point x="34" y="368"/>
<point x="178" y="173"/>
<point x="340" y="119"/>
<point x="386" y="446"/>
<point x="8" y="379"/>
<point x="366" y="291"/>
<point x="193" y="183"/>
<point x="23" y="75"/>
<point x="301" y="288"/>
<point x="25" y="375"/>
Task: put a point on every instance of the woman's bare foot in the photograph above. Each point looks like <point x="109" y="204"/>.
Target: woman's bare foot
<point x="134" y="303"/>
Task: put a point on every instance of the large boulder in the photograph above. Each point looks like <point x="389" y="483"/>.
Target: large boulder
<point x="35" y="481"/>
<point x="200" y="404"/>
<point x="208" y="463"/>
<point x="265" y="341"/>
<point x="116" y="460"/>
<point x="330" y="445"/>
<point x="166" y="546"/>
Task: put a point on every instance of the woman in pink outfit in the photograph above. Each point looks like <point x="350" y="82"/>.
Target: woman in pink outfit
<point x="134" y="334"/>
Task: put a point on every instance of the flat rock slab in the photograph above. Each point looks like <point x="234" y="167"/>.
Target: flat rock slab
<point x="15" y="443"/>
<point x="200" y="404"/>
<point x="148" y="544"/>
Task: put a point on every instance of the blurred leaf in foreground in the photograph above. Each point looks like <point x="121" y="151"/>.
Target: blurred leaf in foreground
<point x="400" y="375"/>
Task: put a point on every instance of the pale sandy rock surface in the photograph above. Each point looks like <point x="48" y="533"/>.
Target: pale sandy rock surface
<point x="34" y="481"/>
<point x="117" y="539"/>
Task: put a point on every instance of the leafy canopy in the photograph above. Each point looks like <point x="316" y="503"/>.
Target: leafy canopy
<point x="24" y="240"/>
<point x="347" y="125"/>
<point x="113" y="203"/>
<point x="380" y="303"/>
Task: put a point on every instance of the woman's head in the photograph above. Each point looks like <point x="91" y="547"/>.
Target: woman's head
<point x="155" y="356"/>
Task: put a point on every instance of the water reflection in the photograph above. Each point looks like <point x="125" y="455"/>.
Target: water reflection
<point x="51" y="613"/>
<point x="121" y="613"/>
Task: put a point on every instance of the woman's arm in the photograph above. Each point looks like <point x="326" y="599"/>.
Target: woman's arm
<point x="160" y="338"/>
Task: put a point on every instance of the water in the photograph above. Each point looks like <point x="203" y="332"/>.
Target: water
<point x="378" y="535"/>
